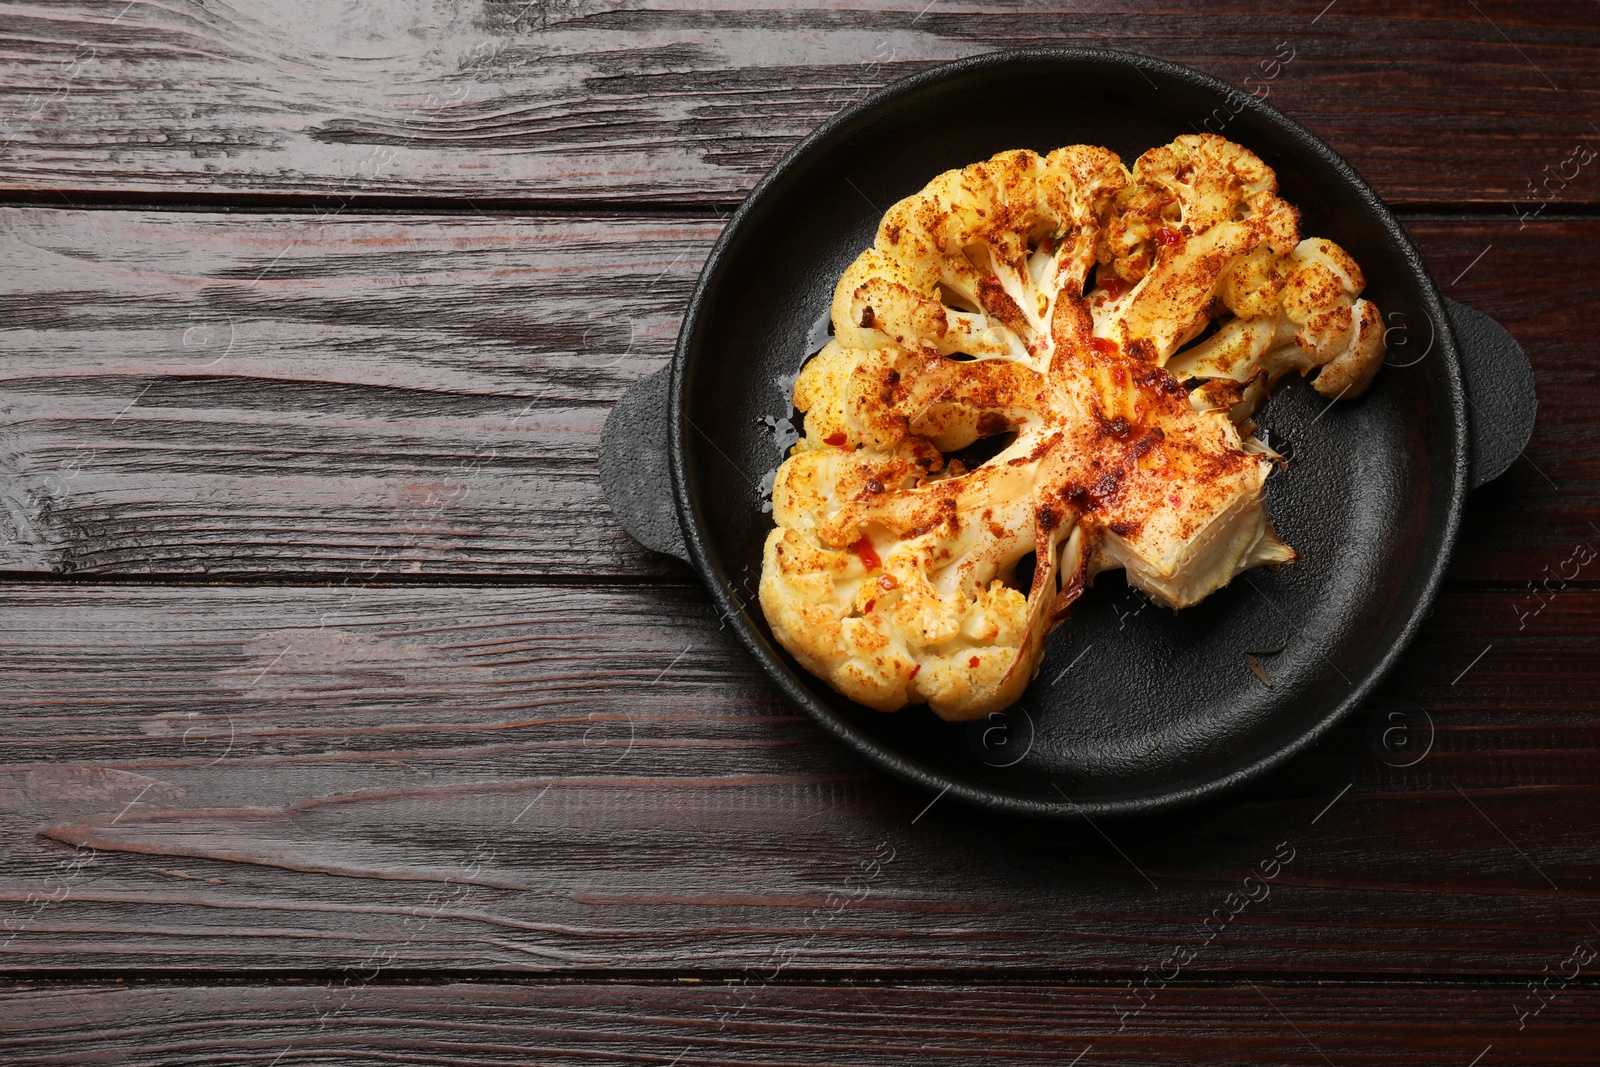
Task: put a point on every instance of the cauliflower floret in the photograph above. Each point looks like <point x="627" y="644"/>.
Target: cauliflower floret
<point x="895" y="569"/>
<point x="1218" y="222"/>
<point x="1302" y="312"/>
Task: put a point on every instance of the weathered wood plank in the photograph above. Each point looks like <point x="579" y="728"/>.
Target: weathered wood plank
<point x="583" y="780"/>
<point x="205" y="393"/>
<point x="672" y="101"/>
<point x="243" y="393"/>
<point x="818" y="1026"/>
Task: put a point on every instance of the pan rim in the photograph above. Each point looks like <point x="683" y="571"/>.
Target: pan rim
<point x="798" y="689"/>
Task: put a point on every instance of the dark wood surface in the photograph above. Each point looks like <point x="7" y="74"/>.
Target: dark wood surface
<point x="565" y="101"/>
<point x="751" y="1025"/>
<point x="346" y="726"/>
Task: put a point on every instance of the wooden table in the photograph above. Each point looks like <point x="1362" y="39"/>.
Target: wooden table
<point x="344" y="724"/>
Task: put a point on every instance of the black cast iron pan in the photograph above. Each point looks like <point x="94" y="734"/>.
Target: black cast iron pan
<point x="1135" y="708"/>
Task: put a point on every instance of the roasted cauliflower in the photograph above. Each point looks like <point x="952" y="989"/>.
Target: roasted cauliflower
<point x="899" y="570"/>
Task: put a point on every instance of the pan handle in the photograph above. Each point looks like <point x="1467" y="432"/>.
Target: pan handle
<point x="634" y="475"/>
<point x="1500" y="396"/>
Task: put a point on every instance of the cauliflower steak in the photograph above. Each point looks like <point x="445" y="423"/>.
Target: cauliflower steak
<point x="989" y="428"/>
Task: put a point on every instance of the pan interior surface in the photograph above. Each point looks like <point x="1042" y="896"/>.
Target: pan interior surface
<point x="1135" y="707"/>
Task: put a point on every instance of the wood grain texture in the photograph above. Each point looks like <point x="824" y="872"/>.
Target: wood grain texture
<point x="597" y="780"/>
<point x="196" y="393"/>
<point x="671" y="101"/>
<point x="356" y="395"/>
<point x="867" y="1025"/>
